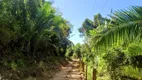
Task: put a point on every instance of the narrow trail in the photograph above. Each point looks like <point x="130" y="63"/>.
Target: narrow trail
<point x="69" y="72"/>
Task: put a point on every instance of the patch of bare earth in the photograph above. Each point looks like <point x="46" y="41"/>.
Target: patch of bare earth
<point x="69" y="72"/>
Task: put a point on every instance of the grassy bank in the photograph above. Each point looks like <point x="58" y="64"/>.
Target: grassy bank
<point x="41" y="70"/>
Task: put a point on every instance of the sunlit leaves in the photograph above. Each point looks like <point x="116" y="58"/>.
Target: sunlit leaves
<point x="128" y="27"/>
<point x="118" y="44"/>
<point x="131" y="71"/>
<point x="135" y="49"/>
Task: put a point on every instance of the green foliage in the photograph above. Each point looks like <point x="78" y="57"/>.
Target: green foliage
<point x="74" y="51"/>
<point x="134" y="49"/>
<point x="86" y="26"/>
<point x="69" y="52"/>
<point x="31" y="30"/>
<point x="126" y="26"/>
<point x="114" y="47"/>
<point x="131" y="72"/>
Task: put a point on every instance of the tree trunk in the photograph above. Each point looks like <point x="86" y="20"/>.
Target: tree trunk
<point x="83" y="66"/>
<point x="94" y="74"/>
<point x="86" y="71"/>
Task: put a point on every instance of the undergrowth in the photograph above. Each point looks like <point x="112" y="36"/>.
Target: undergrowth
<point x="25" y="70"/>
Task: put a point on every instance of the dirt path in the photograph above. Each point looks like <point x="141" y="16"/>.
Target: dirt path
<point x="70" y="72"/>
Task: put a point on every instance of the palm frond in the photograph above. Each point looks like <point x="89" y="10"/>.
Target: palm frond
<point x="128" y="26"/>
<point x="131" y="72"/>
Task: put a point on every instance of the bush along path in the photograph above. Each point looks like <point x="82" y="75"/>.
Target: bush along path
<point x="70" y="72"/>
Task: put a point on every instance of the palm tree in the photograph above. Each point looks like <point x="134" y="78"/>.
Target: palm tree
<point x="124" y="29"/>
<point x="31" y="26"/>
<point x="125" y="24"/>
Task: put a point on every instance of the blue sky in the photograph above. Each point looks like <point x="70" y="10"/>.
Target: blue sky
<point x="76" y="11"/>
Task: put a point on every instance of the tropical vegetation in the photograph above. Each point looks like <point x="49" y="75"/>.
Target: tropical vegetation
<point x="34" y="38"/>
<point x="31" y="31"/>
<point x="113" y="45"/>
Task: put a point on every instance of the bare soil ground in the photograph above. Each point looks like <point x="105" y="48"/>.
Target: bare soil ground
<point x="70" y="72"/>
